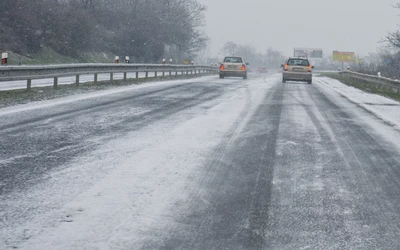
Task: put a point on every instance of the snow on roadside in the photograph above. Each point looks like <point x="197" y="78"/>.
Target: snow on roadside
<point x="382" y="107"/>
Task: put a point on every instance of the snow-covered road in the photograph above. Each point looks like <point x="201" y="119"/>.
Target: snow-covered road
<point x="203" y="164"/>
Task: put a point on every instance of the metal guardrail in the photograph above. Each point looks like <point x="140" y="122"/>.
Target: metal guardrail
<point x="379" y="82"/>
<point x="28" y="73"/>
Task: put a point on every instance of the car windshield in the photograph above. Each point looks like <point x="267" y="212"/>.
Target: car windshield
<point x="199" y="124"/>
<point x="233" y="60"/>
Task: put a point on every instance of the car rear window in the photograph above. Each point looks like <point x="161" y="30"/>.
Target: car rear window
<point x="298" y="62"/>
<point x="233" y="60"/>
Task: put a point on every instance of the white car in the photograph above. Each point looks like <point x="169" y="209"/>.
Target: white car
<point x="297" y="69"/>
<point x="233" y="66"/>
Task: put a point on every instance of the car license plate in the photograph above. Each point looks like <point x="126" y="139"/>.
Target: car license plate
<point x="297" y="69"/>
<point x="232" y="66"/>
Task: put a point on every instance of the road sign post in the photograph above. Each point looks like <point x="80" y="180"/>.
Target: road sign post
<point x="4" y="59"/>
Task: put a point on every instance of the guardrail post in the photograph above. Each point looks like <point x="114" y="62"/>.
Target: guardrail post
<point x="137" y="75"/>
<point x="155" y="74"/>
<point x="147" y="74"/>
<point x="176" y="73"/>
<point x="111" y="77"/>
<point x="163" y="73"/>
<point x="95" y="78"/>
<point x="125" y="76"/>
<point x="77" y="80"/>
<point x="55" y="83"/>
<point x="187" y="72"/>
<point x="28" y="84"/>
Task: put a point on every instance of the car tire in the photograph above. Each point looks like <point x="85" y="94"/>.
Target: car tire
<point x="221" y="77"/>
<point x="244" y="77"/>
<point x="309" y="82"/>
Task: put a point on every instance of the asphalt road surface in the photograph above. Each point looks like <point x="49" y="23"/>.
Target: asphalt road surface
<point x="199" y="164"/>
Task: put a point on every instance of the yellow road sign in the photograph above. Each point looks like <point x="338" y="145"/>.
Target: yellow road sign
<point x="343" y="56"/>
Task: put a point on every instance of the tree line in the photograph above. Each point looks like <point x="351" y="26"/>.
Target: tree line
<point x="270" y="58"/>
<point x="137" y="28"/>
<point x="386" y="60"/>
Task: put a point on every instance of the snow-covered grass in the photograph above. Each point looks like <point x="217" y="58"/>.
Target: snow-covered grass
<point x="385" y="108"/>
<point x="371" y="88"/>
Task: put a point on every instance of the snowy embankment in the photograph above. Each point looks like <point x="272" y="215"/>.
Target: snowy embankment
<point x="384" y="108"/>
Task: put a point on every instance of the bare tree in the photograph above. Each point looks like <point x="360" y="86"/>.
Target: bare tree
<point x="393" y="38"/>
<point x="229" y="49"/>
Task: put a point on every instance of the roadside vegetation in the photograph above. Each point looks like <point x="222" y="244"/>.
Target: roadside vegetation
<point x="50" y="31"/>
<point x="386" y="60"/>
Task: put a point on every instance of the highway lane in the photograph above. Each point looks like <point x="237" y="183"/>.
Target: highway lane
<point x="200" y="164"/>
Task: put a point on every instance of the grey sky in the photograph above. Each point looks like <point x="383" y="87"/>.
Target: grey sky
<point x="345" y="25"/>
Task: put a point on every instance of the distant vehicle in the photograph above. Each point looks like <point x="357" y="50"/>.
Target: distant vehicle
<point x="233" y="66"/>
<point x="262" y="69"/>
<point x="297" y="69"/>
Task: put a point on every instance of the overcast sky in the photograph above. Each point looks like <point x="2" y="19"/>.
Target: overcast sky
<point x="344" y="25"/>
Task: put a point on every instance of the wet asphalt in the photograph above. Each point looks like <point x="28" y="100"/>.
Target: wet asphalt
<point x="302" y="172"/>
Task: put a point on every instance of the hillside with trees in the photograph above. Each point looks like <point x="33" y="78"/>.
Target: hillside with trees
<point x="141" y="29"/>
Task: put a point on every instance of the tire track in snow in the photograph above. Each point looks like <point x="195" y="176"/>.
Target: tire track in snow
<point x="230" y="206"/>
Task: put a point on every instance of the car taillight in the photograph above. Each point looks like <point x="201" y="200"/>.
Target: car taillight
<point x="286" y="67"/>
<point x="243" y="67"/>
<point x="309" y="68"/>
<point x="221" y="67"/>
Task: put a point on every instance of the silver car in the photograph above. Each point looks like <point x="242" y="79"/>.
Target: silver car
<point x="233" y="66"/>
<point x="297" y="69"/>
